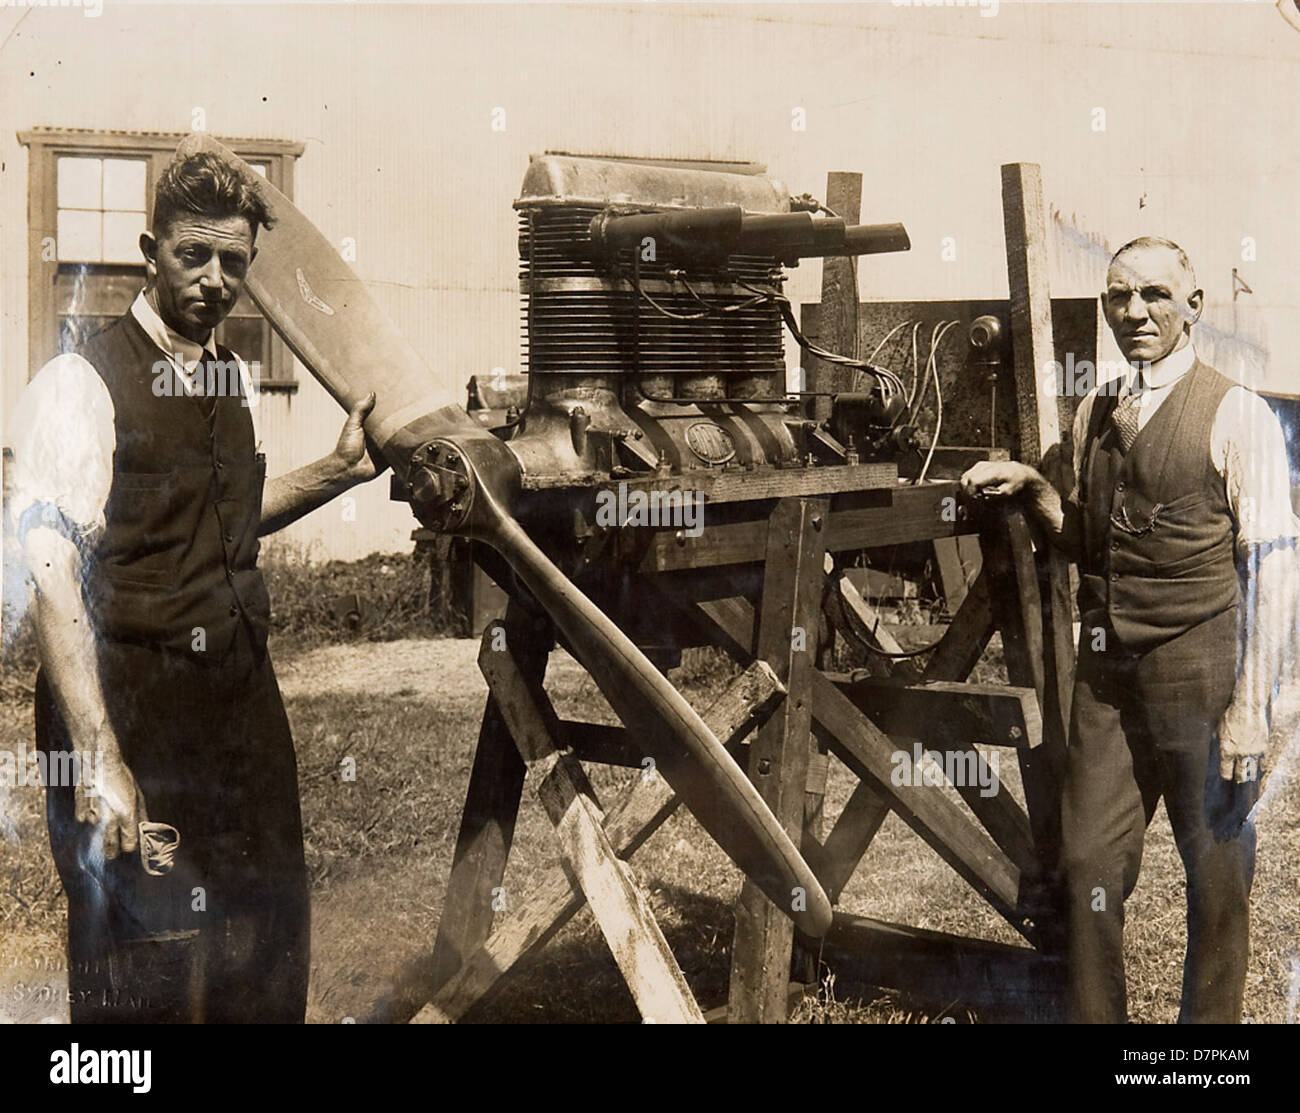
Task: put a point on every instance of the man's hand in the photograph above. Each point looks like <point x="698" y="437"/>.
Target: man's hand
<point x="1006" y="479"/>
<point x="352" y="451"/>
<point x="1243" y="746"/>
<point x="1000" y="479"/>
<point x="112" y="803"/>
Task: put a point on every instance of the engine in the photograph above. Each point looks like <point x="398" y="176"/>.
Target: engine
<point x="653" y="313"/>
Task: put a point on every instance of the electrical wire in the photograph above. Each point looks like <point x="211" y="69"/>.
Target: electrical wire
<point x="888" y="335"/>
<point x="938" y="397"/>
<point x="902" y="655"/>
<point x="916" y="368"/>
<point x="882" y="374"/>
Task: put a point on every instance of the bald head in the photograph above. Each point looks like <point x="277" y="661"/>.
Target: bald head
<point x="1151" y="299"/>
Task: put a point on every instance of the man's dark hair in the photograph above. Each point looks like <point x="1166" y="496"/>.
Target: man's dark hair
<point x="1159" y="241"/>
<point x="204" y="185"/>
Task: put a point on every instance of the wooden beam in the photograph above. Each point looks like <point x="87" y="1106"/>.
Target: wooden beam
<point x="849" y="839"/>
<point x="778" y="757"/>
<point x="1042" y="423"/>
<point x="838" y="315"/>
<point x="639" y="811"/>
<point x="939" y="971"/>
<point x="621" y="909"/>
<point x="1010" y="554"/>
<point x="487" y="821"/>
<point x="1031" y="316"/>
<point x="945" y="712"/>
<point x="862" y="520"/>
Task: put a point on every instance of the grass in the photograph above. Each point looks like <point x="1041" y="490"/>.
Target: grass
<point x="379" y="847"/>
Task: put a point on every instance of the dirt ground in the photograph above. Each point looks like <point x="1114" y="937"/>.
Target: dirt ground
<point x="379" y="850"/>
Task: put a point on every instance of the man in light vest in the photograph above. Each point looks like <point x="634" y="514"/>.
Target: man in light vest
<point x="138" y="499"/>
<point x="1181" y="523"/>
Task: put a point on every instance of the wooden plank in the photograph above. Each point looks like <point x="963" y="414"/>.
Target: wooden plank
<point x="849" y="839"/>
<point x="1031" y="316"/>
<point x="941" y="712"/>
<point x="952" y="576"/>
<point x="638" y="812"/>
<point x="778" y="757"/>
<point x="1019" y="605"/>
<point x="938" y="971"/>
<point x="621" y="909"/>
<point x="799" y="481"/>
<point x="903" y="514"/>
<point x="1041" y="425"/>
<point x="487" y="822"/>
<point x="968" y="633"/>
<point x="606" y="745"/>
<point x="837" y="328"/>
<point x="601" y="743"/>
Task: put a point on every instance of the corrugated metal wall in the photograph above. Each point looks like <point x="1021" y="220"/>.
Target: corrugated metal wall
<point x="395" y="106"/>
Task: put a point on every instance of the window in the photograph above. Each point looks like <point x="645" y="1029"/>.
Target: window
<point x="91" y="195"/>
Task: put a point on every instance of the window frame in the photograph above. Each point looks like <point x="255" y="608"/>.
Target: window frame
<point x="47" y="145"/>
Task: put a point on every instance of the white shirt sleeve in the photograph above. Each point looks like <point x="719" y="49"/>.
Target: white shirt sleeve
<point x="1082" y="418"/>
<point x="62" y="436"/>
<point x="1248" y="449"/>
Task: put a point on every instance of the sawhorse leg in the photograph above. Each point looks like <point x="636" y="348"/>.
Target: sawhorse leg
<point x="621" y="909"/>
<point x="487" y="824"/>
<point x="778" y="760"/>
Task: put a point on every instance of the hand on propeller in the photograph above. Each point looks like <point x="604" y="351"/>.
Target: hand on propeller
<point x="358" y="455"/>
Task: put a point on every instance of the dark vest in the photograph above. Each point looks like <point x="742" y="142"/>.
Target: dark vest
<point x="180" y="549"/>
<point x="1159" y="540"/>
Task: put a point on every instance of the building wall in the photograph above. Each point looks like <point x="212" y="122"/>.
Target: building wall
<point x="395" y="106"/>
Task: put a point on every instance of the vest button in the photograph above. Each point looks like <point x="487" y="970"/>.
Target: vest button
<point x="221" y="465"/>
<point x="1114" y="545"/>
<point x="1114" y="576"/>
<point x="234" y="611"/>
<point x="1118" y="486"/>
<point x="230" y="539"/>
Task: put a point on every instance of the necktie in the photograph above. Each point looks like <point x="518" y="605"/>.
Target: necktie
<point x="1125" y="417"/>
<point x="205" y="390"/>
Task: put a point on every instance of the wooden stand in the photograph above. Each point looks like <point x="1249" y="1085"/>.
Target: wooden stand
<point x="756" y="583"/>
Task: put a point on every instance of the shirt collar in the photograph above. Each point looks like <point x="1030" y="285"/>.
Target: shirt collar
<point x="181" y="350"/>
<point x="1167" y="371"/>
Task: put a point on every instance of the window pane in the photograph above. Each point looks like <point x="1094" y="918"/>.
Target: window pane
<point x="260" y="167"/>
<point x="122" y="237"/>
<point x="244" y="337"/>
<point x="124" y="184"/>
<point x="79" y="183"/>
<point x="75" y="331"/>
<point x="78" y="236"/>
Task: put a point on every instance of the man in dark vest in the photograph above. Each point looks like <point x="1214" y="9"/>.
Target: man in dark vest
<point x="138" y="498"/>
<point x="1182" y="526"/>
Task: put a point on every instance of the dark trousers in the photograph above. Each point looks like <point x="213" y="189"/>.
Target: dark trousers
<point x="1145" y="726"/>
<point x="224" y="936"/>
